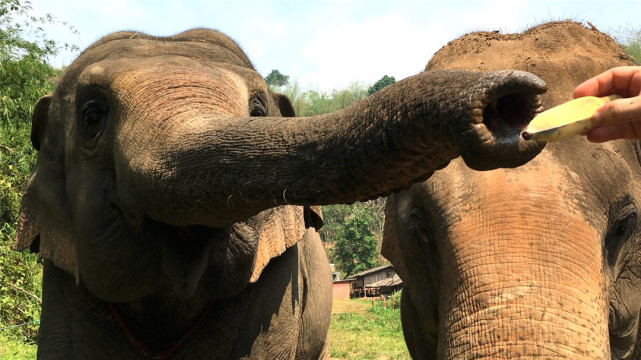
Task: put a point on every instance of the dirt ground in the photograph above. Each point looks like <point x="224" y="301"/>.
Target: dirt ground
<point x="350" y="306"/>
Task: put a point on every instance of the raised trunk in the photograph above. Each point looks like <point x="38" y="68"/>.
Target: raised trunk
<point x="201" y="167"/>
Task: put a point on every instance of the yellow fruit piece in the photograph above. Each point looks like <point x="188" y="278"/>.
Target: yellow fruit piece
<point x="565" y="120"/>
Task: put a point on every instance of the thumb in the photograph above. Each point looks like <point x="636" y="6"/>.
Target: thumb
<point x="618" y="112"/>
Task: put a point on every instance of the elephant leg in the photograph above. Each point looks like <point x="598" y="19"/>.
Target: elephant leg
<point x="317" y="299"/>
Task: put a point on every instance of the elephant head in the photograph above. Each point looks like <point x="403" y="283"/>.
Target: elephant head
<point x="542" y="260"/>
<point x="168" y="169"/>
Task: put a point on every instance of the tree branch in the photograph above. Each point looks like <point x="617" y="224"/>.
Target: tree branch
<point x="26" y="292"/>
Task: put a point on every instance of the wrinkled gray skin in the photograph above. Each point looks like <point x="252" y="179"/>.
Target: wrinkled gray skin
<point x="540" y="261"/>
<point x="169" y="177"/>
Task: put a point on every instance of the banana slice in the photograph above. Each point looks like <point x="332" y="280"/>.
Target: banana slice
<point x="565" y="120"/>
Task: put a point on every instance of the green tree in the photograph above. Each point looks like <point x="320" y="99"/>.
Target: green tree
<point x="275" y="79"/>
<point x="25" y="75"/>
<point x="383" y="82"/>
<point x="24" y="50"/>
<point x="297" y="98"/>
<point x="356" y="247"/>
<point x="313" y="102"/>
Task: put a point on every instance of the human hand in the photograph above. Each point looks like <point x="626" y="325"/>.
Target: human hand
<point x="618" y="119"/>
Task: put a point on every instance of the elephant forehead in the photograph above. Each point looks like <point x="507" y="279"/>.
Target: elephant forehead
<point x="140" y="46"/>
<point x="167" y="81"/>
<point x="538" y="189"/>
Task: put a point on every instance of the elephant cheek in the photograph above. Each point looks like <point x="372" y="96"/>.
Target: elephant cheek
<point x="114" y="264"/>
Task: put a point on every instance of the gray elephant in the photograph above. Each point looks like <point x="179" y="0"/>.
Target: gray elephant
<point x="173" y="195"/>
<point x="543" y="260"/>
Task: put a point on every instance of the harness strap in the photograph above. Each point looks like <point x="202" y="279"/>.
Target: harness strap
<point x="143" y="348"/>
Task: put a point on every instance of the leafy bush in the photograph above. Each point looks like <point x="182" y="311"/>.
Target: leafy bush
<point x="395" y="299"/>
<point x="312" y="102"/>
<point x="25" y="76"/>
<point x="20" y="278"/>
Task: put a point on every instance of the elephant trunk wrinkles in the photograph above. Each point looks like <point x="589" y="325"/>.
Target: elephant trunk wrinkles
<point x="517" y="306"/>
<point x="197" y="169"/>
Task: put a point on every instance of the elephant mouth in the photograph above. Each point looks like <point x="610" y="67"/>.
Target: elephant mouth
<point x="184" y="252"/>
<point x="502" y="112"/>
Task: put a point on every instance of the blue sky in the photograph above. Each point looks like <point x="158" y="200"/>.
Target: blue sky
<point x="327" y="45"/>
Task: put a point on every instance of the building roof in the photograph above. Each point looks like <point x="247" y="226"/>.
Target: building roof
<point x="370" y="271"/>
<point x="344" y="281"/>
<point x="393" y="281"/>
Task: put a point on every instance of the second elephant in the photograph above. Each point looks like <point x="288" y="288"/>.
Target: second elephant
<point x="540" y="261"/>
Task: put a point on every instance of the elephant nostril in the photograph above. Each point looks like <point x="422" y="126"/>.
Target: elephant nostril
<point x="511" y="112"/>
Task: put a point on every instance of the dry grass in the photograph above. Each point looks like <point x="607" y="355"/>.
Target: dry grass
<point x="350" y="306"/>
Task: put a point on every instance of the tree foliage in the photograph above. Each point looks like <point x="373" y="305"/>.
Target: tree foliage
<point x="383" y="82"/>
<point x="276" y="80"/>
<point x="25" y="75"/>
<point x="313" y="102"/>
<point x="356" y="247"/>
<point x="24" y="51"/>
<point x="353" y="234"/>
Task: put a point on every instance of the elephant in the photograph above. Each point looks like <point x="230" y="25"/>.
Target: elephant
<point x="174" y="199"/>
<point x="542" y="260"/>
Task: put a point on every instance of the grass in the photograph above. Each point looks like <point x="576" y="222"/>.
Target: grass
<point x="359" y="331"/>
<point x="12" y="349"/>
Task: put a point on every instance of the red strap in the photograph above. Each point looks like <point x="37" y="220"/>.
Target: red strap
<point x="143" y="348"/>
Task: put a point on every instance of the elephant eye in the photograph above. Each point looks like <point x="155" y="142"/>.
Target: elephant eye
<point x="623" y="223"/>
<point x="256" y="107"/>
<point x="93" y="114"/>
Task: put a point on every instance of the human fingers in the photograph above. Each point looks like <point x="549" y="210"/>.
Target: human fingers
<point x="627" y="131"/>
<point x="618" y="111"/>
<point x="624" y="81"/>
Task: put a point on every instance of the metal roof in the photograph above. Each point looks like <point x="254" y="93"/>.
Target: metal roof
<point x="370" y="271"/>
<point x="393" y="281"/>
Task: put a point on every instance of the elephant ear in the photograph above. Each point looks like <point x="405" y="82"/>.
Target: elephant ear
<point x="43" y="223"/>
<point x="285" y="105"/>
<point x="282" y="228"/>
<point x="391" y="247"/>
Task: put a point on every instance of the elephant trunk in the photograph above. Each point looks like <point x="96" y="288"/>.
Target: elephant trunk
<point x="199" y="162"/>
<point x="501" y="312"/>
<point x="524" y="272"/>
